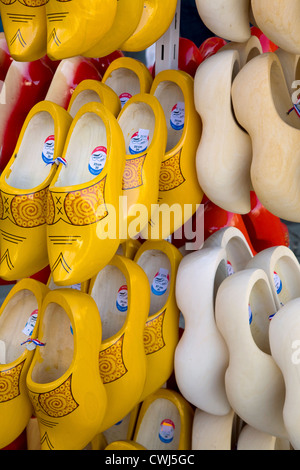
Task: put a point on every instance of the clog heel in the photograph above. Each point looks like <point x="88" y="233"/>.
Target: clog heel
<point x="160" y="261"/>
<point x="235" y="23"/>
<point x="201" y="356"/>
<point x="214" y="432"/>
<point x="25" y="27"/>
<point x="164" y="422"/>
<point x="178" y="184"/>
<point x="83" y="198"/>
<point x="278" y="21"/>
<point x="127" y="77"/>
<point x="19" y="320"/>
<point x="273" y="131"/>
<point x="72" y="28"/>
<point x="252" y="439"/>
<point x="24" y="184"/>
<point x="63" y="381"/>
<point x="143" y="124"/>
<point x="284" y="342"/>
<point x="244" y="307"/>
<point x="223" y="163"/>
<point x="247" y="50"/>
<point x="121" y="292"/>
<point x="283" y="270"/>
<point x="128" y="16"/>
<point x="155" y="20"/>
<point x="93" y="90"/>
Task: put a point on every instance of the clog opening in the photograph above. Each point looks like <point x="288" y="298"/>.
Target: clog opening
<point x="124" y="82"/>
<point x="84" y="97"/>
<point x="138" y="125"/>
<point x="57" y="354"/>
<point x="220" y="275"/>
<point x="30" y="167"/>
<point x="238" y="253"/>
<point x="261" y="308"/>
<point x="254" y="52"/>
<point x="16" y="323"/>
<point x="281" y="97"/>
<point x="157" y="267"/>
<point x="86" y="153"/>
<point x="112" y="298"/>
<point x="286" y="279"/>
<point x="171" y="97"/>
<point x="160" y="427"/>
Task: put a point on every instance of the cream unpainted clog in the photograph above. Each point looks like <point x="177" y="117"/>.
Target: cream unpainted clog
<point x="291" y="68"/>
<point x="229" y="19"/>
<point x="165" y="422"/>
<point x="253" y="439"/>
<point x="201" y="356"/>
<point x="247" y="50"/>
<point x="254" y="383"/>
<point x="283" y="270"/>
<point x="261" y="104"/>
<point x="278" y="21"/>
<point x="224" y="153"/>
<point x="284" y="343"/>
<point x="238" y="251"/>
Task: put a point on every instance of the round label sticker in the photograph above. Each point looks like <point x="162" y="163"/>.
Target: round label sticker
<point x="124" y="97"/>
<point x="30" y="324"/>
<point x="277" y="282"/>
<point x="230" y="269"/>
<point x="250" y="314"/>
<point x="122" y="299"/>
<point x="166" y="431"/>
<point x="139" y="141"/>
<point x="177" y="116"/>
<point x="97" y="160"/>
<point x="160" y="282"/>
<point x="48" y="150"/>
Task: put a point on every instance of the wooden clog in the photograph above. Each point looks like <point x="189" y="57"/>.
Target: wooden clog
<point x="223" y="163"/>
<point x="213" y="432"/>
<point x="291" y="69"/>
<point x="253" y="439"/>
<point x="247" y="50"/>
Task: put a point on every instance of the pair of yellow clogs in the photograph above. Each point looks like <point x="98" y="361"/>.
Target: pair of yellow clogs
<point x="66" y="29"/>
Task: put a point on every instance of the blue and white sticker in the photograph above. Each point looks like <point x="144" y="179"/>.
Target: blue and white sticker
<point x="122" y="299"/>
<point x="48" y="150"/>
<point x="97" y="160"/>
<point x="124" y="97"/>
<point x="277" y="282"/>
<point x="30" y="324"/>
<point x="178" y="116"/>
<point x="160" y="282"/>
<point x="230" y="269"/>
<point x="139" y="141"/>
<point x="166" y="431"/>
<point x="250" y="314"/>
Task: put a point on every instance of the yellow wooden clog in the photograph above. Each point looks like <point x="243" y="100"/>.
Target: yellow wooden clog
<point x="128" y="16"/>
<point x="124" y="445"/>
<point x="19" y="320"/>
<point x="81" y="286"/>
<point x="83" y="199"/>
<point x="63" y="381"/>
<point x="121" y="292"/>
<point x="160" y="261"/>
<point x="123" y="429"/>
<point x="165" y="422"/>
<point x="24" y="184"/>
<point x="127" y="77"/>
<point x="155" y="20"/>
<point x="94" y="90"/>
<point x="25" y="27"/>
<point x="179" y="190"/>
<point x="129" y="248"/>
<point x="143" y="124"/>
<point x="73" y="27"/>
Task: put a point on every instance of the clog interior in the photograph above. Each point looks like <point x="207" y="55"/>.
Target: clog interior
<point x="12" y="323"/>
<point x="153" y="262"/>
<point x="124" y="80"/>
<point x="28" y="169"/>
<point x="138" y="115"/>
<point x="170" y="94"/>
<point x="155" y="430"/>
<point x="84" y="97"/>
<point x="56" y="356"/>
<point x="281" y="97"/>
<point x="287" y="273"/>
<point x="105" y="291"/>
<point x="89" y="133"/>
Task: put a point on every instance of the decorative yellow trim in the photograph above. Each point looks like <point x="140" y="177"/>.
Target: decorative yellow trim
<point x="111" y="362"/>
<point x="10" y="382"/>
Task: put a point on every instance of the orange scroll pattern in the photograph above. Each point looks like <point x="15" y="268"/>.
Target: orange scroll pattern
<point x="111" y="362"/>
<point x="26" y="210"/>
<point x="133" y="173"/>
<point x="56" y="403"/>
<point x="171" y="176"/>
<point x="153" y="334"/>
<point x="10" y="382"/>
<point x="26" y="3"/>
